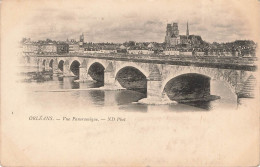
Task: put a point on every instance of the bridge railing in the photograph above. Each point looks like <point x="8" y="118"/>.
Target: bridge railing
<point x="160" y="57"/>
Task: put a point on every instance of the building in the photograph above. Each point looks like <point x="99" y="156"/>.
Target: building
<point x="185" y="53"/>
<point x="62" y="47"/>
<point x="139" y="50"/>
<point x="150" y="46"/>
<point x="172" y="37"/>
<point x="81" y="40"/>
<point x="73" y="46"/>
<point x="121" y="49"/>
<point x="199" y="53"/>
<point x="108" y="49"/>
<point x="91" y="50"/>
<point x="49" y="48"/>
<point x="29" y="48"/>
<point x="171" y="51"/>
<point x="191" y="40"/>
<point x="187" y="30"/>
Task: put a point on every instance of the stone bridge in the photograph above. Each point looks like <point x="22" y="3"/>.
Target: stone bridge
<point x="177" y="81"/>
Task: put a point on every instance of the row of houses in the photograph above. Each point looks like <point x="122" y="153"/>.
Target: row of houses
<point x="74" y="47"/>
<point x="57" y="47"/>
<point x="47" y="47"/>
<point x="213" y="52"/>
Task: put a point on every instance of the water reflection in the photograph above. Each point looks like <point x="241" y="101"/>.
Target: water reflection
<point x="68" y="83"/>
<point x="82" y="95"/>
<point x="200" y="104"/>
<point x="97" y="97"/>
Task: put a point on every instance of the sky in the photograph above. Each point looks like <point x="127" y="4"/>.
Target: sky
<point x="143" y="20"/>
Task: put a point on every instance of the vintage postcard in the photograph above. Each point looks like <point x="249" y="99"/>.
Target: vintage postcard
<point x="130" y="83"/>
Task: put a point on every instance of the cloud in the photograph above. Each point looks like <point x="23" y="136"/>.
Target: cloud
<point x="119" y="21"/>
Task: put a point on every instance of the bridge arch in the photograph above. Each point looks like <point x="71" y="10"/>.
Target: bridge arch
<point x="74" y="67"/>
<point x="51" y="63"/>
<point x="131" y="64"/>
<point x="61" y="58"/>
<point x="61" y="65"/>
<point x="212" y="74"/>
<point x="74" y="59"/>
<point x="132" y="78"/>
<point x="96" y="71"/>
<point x="187" y="86"/>
<point x="92" y="61"/>
<point x="204" y="78"/>
<point x="44" y="62"/>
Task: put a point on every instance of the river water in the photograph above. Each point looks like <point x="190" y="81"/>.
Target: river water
<point x="46" y="88"/>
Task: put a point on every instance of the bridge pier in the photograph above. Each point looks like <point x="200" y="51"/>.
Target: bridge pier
<point x="66" y="69"/>
<point x="55" y="68"/>
<point x="83" y="73"/>
<point x="109" y="78"/>
<point x="154" y="90"/>
<point x="47" y="67"/>
<point x="40" y="66"/>
<point x="154" y="84"/>
<point x="154" y="87"/>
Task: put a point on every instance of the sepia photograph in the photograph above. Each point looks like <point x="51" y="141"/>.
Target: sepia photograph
<point x="130" y="83"/>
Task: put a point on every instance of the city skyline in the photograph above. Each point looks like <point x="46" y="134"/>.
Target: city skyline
<point x="144" y="21"/>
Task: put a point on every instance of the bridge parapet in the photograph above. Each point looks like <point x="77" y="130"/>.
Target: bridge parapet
<point x="208" y="61"/>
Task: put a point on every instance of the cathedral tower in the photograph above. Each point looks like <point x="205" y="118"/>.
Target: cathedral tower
<point x="187" y="31"/>
<point x="81" y="40"/>
<point x="172" y="36"/>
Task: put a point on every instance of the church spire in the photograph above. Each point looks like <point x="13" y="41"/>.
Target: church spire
<point x="187" y="31"/>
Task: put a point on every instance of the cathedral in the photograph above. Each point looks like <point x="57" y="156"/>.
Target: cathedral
<point x="173" y="38"/>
